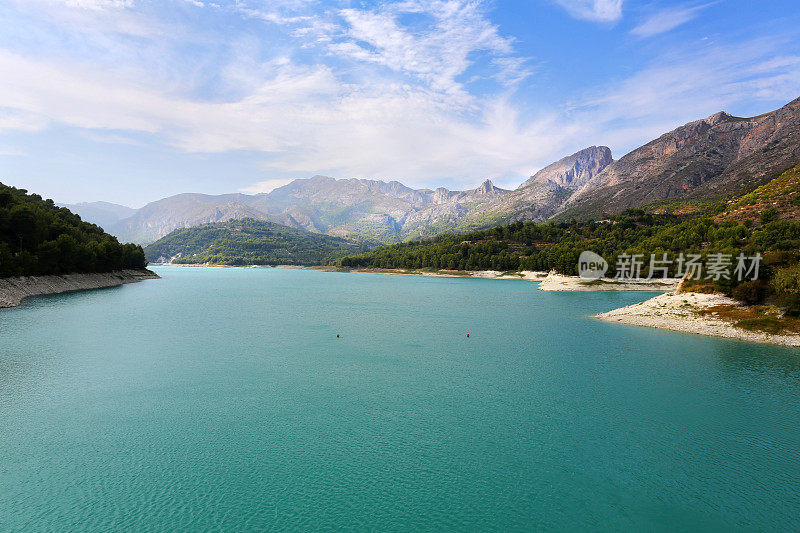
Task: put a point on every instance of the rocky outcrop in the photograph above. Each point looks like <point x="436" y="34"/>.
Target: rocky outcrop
<point x="560" y="283"/>
<point x="487" y="187"/>
<point x="14" y="290"/>
<point x="710" y="158"/>
<point x="574" y="171"/>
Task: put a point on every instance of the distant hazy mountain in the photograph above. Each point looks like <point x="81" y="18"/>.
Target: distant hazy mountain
<point x="159" y="218"/>
<point x="355" y="207"/>
<point x="709" y="158"/>
<point x="103" y="214"/>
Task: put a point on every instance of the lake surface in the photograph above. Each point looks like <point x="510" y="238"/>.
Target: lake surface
<point x="222" y="399"/>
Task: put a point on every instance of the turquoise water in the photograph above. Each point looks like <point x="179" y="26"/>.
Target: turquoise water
<point x="222" y="399"/>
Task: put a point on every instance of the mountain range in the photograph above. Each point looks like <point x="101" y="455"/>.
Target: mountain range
<point x="708" y="159"/>
<point x="103" y="214"/>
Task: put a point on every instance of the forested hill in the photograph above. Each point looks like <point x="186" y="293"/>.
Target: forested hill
<point x="248" y="242"/>
<point x="39" y="238"/>
<point x="542" y="247"/>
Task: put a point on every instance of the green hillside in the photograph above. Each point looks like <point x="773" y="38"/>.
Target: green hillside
<point x="764" y="221"/>
<point x="39" y="238"/>
<point x="248" y="242"/>
<point x="530" y="246"/>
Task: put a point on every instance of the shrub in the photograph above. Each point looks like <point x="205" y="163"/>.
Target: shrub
<point x="767" y="324"/>
<point x="750" y="292"/>
<point x="768" y="215"/>
<point x="786" y="286"/>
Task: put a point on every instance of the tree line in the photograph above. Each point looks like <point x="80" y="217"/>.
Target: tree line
<point x="39" y="238"/>
<point x="557" y="246"/>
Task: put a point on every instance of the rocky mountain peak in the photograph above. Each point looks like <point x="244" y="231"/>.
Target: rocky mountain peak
<point x="441" y="195"/>
<point x="708" y="158"/>
<point x="573" y="171"/>
<point x="487" y="187"/>
<point x="716" y="118"/>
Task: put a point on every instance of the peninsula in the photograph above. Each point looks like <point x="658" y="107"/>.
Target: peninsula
<point x="46" y="249"/>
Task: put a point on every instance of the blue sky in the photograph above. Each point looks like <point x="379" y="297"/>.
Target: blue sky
<point x="132" y="100"/>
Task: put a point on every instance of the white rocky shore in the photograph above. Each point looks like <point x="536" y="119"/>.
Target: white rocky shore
<point x="525" y="275"/>
<point x="491" y="274"/>
<point x="680" y="312"/>
<point x="14" y="290"/>
<point x="560" y="282"/>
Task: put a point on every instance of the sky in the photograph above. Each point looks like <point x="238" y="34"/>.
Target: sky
<point x="129" y="101"/>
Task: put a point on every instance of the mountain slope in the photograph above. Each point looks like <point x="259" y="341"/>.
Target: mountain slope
<point x="779" y="198"/>
<point x="544" y="192"/>
<point x="766" y="221"/>
<point x="710" y="158"/>
<point x="247" y="242"/>
<point x="359" y="208"/>
<point x="159" y="218"/>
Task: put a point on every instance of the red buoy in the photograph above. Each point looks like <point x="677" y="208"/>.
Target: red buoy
<point x="467" y="334"/>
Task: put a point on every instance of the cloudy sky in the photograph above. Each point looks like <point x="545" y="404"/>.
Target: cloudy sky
<point x="132" y="100"/>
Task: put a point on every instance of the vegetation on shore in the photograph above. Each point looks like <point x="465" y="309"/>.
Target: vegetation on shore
<point x="771" y="229"/>
<point x="39" y="238"/>
<point x="248" y="242"/>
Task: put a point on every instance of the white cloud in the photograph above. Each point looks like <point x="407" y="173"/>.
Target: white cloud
<point x="594" y="10"/>
<point x="382" y="98"/>
<point x="15" y="119"/>
<point x="266" y="186"/>
<point x="667" y="20"/>
<point x="303" y="119"/>
<point x="94" y="4"/>
<point x="690" y="83"/>
<point x="281" y="12"/>
<point x="436" y="53"/>
<point x="13" y="153"/>
<point x="92" y="21"/>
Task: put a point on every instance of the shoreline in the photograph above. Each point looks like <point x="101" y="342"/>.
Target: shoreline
<point x="681" y="312"/>
<point x="561" y="283"/>
<point x="684" y="312"/>
<point x="14" y="290"/>
<point x="548" y="281"/>
<point x="524" y="275"/>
